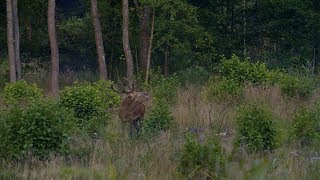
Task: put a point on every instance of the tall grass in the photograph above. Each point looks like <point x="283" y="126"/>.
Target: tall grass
<point x="116" y="156"/>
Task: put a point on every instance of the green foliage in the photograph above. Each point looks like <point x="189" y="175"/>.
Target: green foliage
<point x="90" y="103"/>
<point x="196" y="75"/>
<point x="244" y="71"/>
<point x="159" y="119"/>
<point x="4" y="72"/>
<point x="256" y="129"/>
<point x="221" y="88"/>
<point x="198" y="160"/>
<point x="41" y="129"/>
<point x="293" y="86"/>
<point x="164" y="89"/>
<point x="110" y="98"/>
<point x="21" y="93"/>
<point x="306" y="126"/>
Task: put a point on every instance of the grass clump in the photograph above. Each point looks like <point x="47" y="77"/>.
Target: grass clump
<point x="256" y="129"/>
<point x="201" y="160"/>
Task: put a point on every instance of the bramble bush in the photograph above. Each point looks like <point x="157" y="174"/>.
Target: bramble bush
<point x="306" y="126"/>
<point x="21" y="93"/>
<point x="41" y="129"/>
<point x="256" y="129"/>
<point x="110" y="98"/>
<point x="244" y="71"/>
<point x="164" y="89"/>
<point x="201" y="160"/>
<point x="159" y="119"/>
<point x="293" y="86"/>
<point x="90" y="103"/>
<point x="222" y="88"/>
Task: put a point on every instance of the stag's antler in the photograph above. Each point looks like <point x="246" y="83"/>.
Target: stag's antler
<point x="131" y="84"/>
<point x="117" y="90"/>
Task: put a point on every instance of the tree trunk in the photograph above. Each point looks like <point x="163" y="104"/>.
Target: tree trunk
<point x="99" y="40"/>
<point x="144" y="37"/>
<point x="166" y="58"/>
<point x="54" y="76"/>
<point x="16" y="35"/>
<point x="125" y="39"/>
<point x="150" y="48"/>
<point x="10" y="41"/>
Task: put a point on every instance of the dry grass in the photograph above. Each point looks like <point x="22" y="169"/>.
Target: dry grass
<point x="116" y="156"/>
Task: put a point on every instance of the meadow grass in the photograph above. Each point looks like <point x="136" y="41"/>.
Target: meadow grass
<point x="116" y="156"/>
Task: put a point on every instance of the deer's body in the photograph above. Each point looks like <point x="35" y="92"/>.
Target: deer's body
<point x="132" y="109"/>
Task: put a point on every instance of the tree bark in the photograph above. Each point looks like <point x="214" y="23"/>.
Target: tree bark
<point x="99" y="41"/>
<point x="150" y="48"/>
<point x="144" y="37"/>
<point x="125" y="39"/>
<point x="16" y="38"/>
<point x="10" y="41"/>
<point x="54" y="75"/>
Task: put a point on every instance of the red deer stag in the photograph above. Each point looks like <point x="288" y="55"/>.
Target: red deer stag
<point x="132" y="108"/>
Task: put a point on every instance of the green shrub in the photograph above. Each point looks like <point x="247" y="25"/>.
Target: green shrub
<point x="164" y="89"/>
<point x="40" y="129"/>
<point x="256" y="129"/>
<point x="196" y="75"/>
<point x="293" y="86"/>
<point x="4" y="72"/>
<point x="306" y="126"/>
<point x="109" y="97"/>
<point x="159" y="119"/>
<point x="89" y="105"/>
<point x="197" y="160"/>
<point x="244" y="71"/>
<point x="21" y="93"/>
<point x="221" y="88"/>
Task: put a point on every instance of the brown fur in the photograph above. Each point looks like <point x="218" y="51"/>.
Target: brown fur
<point x="132" y="110"/>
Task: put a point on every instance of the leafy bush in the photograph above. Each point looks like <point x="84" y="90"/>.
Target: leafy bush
<point x="21" y="93"/>
<point x="159" y="119"/>
<point x="89" y="104"/>
<point x="256" y="129"/>
<point x="244" y="71"/>
<point x="295" y="87"/>
<point x="42" y="128"/>
<point x="306" y="126"/>
<point x="221" y="88"/>
<point x="196" y="75"/>
<point x="200" y="160"/>
<point x="164" y="89"/>
<point x="4" y="72"/>
<point x="109" y="97"/>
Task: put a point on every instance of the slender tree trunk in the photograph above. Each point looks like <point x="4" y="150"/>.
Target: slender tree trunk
<point x="150" y="48"/>
<point x="166" y="59"/>
<point x="16" y="34"/>
<point x="244" y="29"/>
<point x="144" y="37"/>
<point x="10" y="41"/>
<point x="54" y="76"/>
<point x="99" y="40"/>
<point x="125" y="39"/>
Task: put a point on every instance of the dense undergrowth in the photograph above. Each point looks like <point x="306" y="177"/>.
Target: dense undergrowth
<point x="244" y="122"/>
